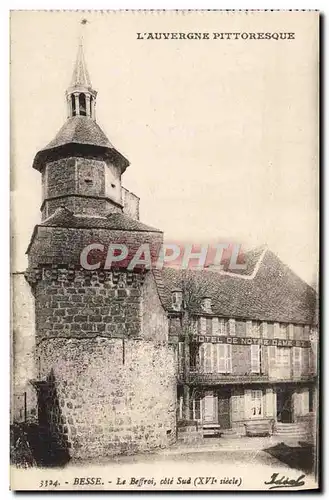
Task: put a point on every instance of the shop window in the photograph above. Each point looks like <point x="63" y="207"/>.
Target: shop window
<point x="195" y="407"/>
<point x="256" y="407"/>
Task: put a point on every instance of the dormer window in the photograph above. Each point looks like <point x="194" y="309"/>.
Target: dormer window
<point x="206" y="304"/>
<point x="177" y="300"/>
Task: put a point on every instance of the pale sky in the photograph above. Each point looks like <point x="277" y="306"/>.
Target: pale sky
<point x="222" y="136"/>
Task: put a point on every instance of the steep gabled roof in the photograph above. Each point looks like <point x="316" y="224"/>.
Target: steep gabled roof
<point x="273" y="292"/>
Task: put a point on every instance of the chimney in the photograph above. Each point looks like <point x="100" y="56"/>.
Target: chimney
<point x="206" y="304"/>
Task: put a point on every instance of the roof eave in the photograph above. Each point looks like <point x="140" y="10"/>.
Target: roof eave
<point x="77" y="148"/>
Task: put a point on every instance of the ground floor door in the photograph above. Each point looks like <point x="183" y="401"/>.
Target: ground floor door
<point x="209" y="408"/>
<point x="284" y="405"/>
<point x="224" y="409"/>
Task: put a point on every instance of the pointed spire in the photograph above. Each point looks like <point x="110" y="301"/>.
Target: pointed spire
<point x="80" y="77"/>
<point x="80" y="96"/>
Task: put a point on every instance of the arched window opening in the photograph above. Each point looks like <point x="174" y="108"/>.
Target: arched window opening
<point x="82" y="105"/>
<point x="91" y="107"/>
<point x="74" y="111"/>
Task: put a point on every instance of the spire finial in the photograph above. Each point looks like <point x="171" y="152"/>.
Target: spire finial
<point x="80" y="77"/>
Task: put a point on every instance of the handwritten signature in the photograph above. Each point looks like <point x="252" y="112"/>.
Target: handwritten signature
<point x="284" y="482"/>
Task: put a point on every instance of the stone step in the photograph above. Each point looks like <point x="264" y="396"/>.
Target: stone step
<point x="187" y="428"/>
<point x="190" y="439"/>
<point x="291" y="429"/>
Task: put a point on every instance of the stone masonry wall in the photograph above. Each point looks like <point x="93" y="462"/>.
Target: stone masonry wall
<point x="115" y="396"/>
<point x="108" y="358"/>
<point x="23" y="367"/>
<point x="81" y="304"/>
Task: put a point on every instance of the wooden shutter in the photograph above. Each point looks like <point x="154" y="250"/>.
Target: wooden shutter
<point x="215" y="326"/>
<point x="269" y="403"/>
<point x="214" y="348"/>
<point x="247" y="403"/>
<point x="276" y="330"/>
<point x="255" y="358"/>
<point x="271" y="359"/>
<point x="306" y="333"/>
<point x="256" y="329"/>
<point x="305" y="401"/>
<point x="201" y="358"/>
<point x="264" y="329"/>
<point x="208" y="357"/>
<point x="249" y="328"/>
<point x="237" y="408"/>
<point x="290" y="331"/>
<point x="228" y="358"/>
<point x="221" y="358"/>
<point x="231" y="326"/>
<point x="203" y="326"/>
<point x="297" y="361"/>
<point x="305" y="361"/>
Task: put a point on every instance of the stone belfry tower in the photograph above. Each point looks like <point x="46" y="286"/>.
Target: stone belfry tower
<point x="106" y="378"/>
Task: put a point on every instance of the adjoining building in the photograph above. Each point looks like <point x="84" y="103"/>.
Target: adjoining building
<point x="110" y="361"/>
<point x="251" y="348"/>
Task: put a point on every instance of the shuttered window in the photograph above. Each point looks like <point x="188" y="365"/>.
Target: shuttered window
<point x="255" y="358"/>
<point x="216" y="358"/>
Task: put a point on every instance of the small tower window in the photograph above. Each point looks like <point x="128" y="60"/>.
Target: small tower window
<point x="82" y="105"/>
<point x="91" y="106"/>
<point x="74" y="111"/>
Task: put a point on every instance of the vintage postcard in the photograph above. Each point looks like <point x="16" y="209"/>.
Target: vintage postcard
<point x="164" y="271"/>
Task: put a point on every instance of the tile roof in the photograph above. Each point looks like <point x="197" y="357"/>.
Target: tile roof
<point x="79" y="131"/>
<point x="63" y="217"/>
<point x="272" y="292"/>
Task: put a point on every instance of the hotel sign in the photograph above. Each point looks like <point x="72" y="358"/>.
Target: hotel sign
<point x="220" y="339"/>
